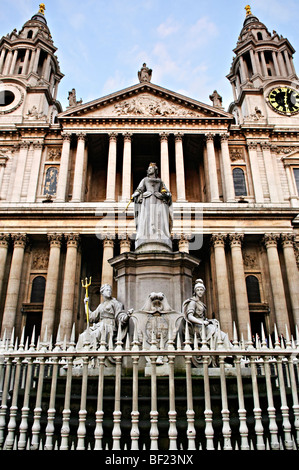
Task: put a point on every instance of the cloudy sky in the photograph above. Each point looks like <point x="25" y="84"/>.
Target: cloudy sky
<point x="187" y="43"/>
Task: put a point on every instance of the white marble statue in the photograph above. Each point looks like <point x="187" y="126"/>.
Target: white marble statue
<point x="153" y="210"/>
<point x="105" y="319"/>
<point x="194" y="311"/>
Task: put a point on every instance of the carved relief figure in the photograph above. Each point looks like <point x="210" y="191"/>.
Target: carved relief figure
<point x="153" y="209"/>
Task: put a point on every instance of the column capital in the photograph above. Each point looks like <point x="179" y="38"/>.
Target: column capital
<point x="127" y="136"/>
<point x="66" y="136"/>
<point x="265" y="145"/>
<point x="25" y="144"/>
<point x="55" y="239"/>
<point x="81" y="136"/>
<point x="178" y="136"/>
<point x="252" y="145"/>
<point x="4" y="239"/>
<point x="20" y="239"/>
<point x="108" y="240"/>
<point x="112" y="136"/>
<point x="210" y="136"/>
<point x="288" y="239"/>
<point x="72" y="239"/>
<point x="164" y="136"/>
<point x="38" y="145"/>
<point x="271" y="239"/>
<point x="218" y="239"/>
<point x="224" y="136"/>
<point x="236" y="239"/>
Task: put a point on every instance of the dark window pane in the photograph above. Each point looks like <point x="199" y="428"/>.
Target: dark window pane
<point x="38" y="290"/>
<point x="253" y="289"/>
<point x="296" y="174"/>
<point x="239" y="182"/>
<point x="51" y="181"/>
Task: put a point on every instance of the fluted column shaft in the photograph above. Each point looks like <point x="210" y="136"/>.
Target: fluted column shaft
<point x="78" y="183"/>
<point x="4" y="243"/>
<point x="278" y="292"/>
<point x="239" y="283"/>
<point x="212" y="168"/>
<point x="224" y="303"/>
<point x="292" y="273"/>
<point x="69" y="281"/>
<point x="108" y="252"/>
<point x="255" y="173"/>
<point x="14" y="281"/>
<point x="63" y="169"/>
<point x="180" y="170"/>
<point x="126" y="177"/>
<point x="270" y="172"/>
<point x="35" y="169"/>
<point x="111" y="170"/>
<point x="20" y="170"/>
<point x="227" y="171"/>
<point x="164" y="159"/>
<point x="51" y="285"/>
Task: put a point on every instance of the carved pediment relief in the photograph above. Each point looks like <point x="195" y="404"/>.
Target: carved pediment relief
<point x="149" y="102"/>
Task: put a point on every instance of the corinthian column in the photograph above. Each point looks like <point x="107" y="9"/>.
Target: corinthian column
<point x="14" y="281"/>
<point x="270" y="172"/>
<point x="38" y="148"/>
<point x="212" y="169"/>
<point x="227" y="171"/>
<point x="243" y="316"/>
<point x="224" y="303"/>
<point x="107" y="270"/>
<point x="4" y="243"/>
<point x="292" y="273"/>
<point x="64" y="168"/>
<point x="68" y="289"/>
<point x="255" y="172"/>
<point x="179" y="167"/>
<point x="164" y="164"/>
<point x="79" y="169"/>
<point x="51" y="285"/>
<point x="20" y="170"/>
<point x="278" y="293"/>
<point x="126" y="178"/>
<point x="111" y="170"/>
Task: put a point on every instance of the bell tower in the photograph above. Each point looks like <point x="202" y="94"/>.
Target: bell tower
<point x="263" y="78"/>
<point x="29" y="73"/>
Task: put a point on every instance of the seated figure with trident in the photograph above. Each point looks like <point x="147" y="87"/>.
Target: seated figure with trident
<point x="105" y="319"/>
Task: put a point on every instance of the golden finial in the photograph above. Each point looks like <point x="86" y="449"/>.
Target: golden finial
<point x="248" y="10"/>
<point x="42" y="8"/>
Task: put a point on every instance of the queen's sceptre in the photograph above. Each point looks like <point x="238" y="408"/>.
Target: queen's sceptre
<point x="86" y="286"/>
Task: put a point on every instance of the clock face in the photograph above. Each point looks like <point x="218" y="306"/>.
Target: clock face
<point x="284" y="100"/>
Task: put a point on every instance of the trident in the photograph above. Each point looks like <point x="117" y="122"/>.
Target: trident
<point x="86" y="286"/>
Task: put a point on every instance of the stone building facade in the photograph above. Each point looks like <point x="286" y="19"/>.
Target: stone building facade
<point x="67" y="176"/>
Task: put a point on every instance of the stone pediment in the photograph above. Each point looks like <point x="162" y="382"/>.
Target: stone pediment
<point x="145" y="101"/>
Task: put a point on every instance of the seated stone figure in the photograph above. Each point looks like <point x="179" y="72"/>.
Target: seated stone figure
<point x="105" y="319"/>
<point x="194" y="311"/>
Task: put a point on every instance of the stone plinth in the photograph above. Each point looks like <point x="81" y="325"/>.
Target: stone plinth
<point x="139" y="274"/>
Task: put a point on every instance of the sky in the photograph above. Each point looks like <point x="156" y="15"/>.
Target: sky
<point x="187" y="43"/>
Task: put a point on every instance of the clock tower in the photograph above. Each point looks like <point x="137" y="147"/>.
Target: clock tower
<point x="263" y="78"/>
<point x="29" y="73"/>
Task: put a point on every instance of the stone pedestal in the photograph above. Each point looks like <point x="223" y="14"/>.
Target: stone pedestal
<point x="139" y="274"/>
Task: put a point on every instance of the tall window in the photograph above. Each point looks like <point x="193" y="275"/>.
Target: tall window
<point x="38" y="290"/>
<point x="253" y="289"/>
<point x="239" y="182"/>
<point x="51" y="181"/>
<point x="296" y="175"/>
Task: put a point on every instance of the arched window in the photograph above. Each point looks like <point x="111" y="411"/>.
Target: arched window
<point x="30" y="34"/>
<point x="253" y="289"/>
<point x="51" y="181"/>
<point x="259" y="36"/>
<point x="239" y="182"/>
<point x="38" y="290"/>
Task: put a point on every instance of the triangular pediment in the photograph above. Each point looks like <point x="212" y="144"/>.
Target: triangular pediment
<point x="145" y="101"/>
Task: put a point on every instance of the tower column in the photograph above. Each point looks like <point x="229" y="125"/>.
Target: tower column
<point x="292" y="273"/>
<point x="243" y="316"/>
<point x="64" y="168"/>
<point x="179" y="166"/>
<point x="270" y="172"/>
<point x="14" y="281"/>
<point x="2" y="56"/>
<point x="13" y="62"/>
<point x="7" y="63"/>
<point x="281" y="312"/>
<point x="126" y="177"/>
<point x="275" y="62"/>
<point x="38" y="148"/>
<point x="164" y="164"/>
<point x="255" y="172"/>
<point x="26" y="63"/>
<point x="51" y="285"/>
<point x="107" y="269"/>
<point x="20" y="170"/>
<point x="226" y="164"/>
<point x="68" y="289"/>
<point x="79" y="168"/>
<point x="111" y="171"/>
<point x="212" y="169"/>
<point x="4" y="243"/>
<point x="224" y="304"/>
